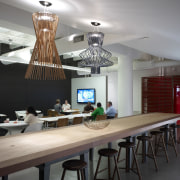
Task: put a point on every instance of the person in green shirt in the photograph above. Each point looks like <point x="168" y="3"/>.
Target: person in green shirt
<point x="98" y="111"/>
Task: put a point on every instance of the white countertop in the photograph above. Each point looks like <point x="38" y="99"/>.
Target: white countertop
<point x="13" y="124"/>
<point x="71" y="116"/>
<point x="3" y="115"/>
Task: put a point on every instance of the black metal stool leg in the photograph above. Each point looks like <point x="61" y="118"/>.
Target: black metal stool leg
<point x="63" y="175"/>
<point x="163" y="142"/>
<point x="154" y="157"/>
<point x="78" y="176"/>
<point x="82" y="174"/>
<point x="137" y="166"/>
<point x="116" y="169"/>
<point x="173" y="143"/>
<point x="109" y="168"/>
<point x="97" y="168"/>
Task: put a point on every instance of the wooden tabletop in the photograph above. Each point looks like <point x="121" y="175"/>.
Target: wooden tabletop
<point x="31" y="149"/>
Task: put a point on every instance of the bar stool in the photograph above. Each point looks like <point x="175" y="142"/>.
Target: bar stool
<point x="74" y="165"/>
<point x="158" y="137"/>
<point x="107" y="152"/>
<point x="175" y="127"/>
<point x="128" y="146"/>
<point x="145" y="139"/>
<point x="171" y="138"/>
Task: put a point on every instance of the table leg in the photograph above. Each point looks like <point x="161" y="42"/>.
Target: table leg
<point x="10" y="132"/>
<point x="91" y="154"/>
<point x="166" y="136"/>
<point x="144" y="147"/>
<point x="175" y="133"/>
<point x="44" y="171"/>
<point x="110" y="145"/>
<point x="128" y="155"/>
<point x="85" y="158"/>
<point x="5" y="177"/>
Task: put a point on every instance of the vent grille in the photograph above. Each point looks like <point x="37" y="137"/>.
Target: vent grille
<point x="78" y="38"/>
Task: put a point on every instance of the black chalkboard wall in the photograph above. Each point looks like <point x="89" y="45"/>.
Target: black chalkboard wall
<point x="17" y="93"/>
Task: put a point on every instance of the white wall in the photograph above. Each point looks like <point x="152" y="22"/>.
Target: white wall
<point x="99" y="83"/>
<point x="112" y="87"/>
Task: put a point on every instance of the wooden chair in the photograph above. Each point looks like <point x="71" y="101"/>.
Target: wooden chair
<point x="60" y="115"/>
<point x="62" y="122"/>
<point x="77" y="120"/>
<point x="49" y="112"/>
<point x="54" y="113"/>
<point x="101" y="117"/>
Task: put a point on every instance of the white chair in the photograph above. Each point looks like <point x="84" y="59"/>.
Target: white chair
<point x="34" y="127"/>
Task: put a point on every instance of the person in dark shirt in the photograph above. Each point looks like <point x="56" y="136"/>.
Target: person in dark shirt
<point x="88" y="108"/>
<point x="57" y="106"/>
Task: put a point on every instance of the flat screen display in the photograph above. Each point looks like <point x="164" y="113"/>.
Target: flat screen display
<point x="86" y="95"/>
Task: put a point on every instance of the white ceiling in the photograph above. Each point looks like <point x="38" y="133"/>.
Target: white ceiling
<point x="128" y="20"/>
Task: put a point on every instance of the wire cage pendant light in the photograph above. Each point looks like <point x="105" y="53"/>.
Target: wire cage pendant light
<point x="45" y="63"/>
<point x="95" y="56"/>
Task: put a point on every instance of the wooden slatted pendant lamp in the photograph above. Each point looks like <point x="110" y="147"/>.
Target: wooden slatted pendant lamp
<point x="45" y="63"/>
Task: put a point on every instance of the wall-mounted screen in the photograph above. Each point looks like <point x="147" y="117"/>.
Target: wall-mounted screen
<point x="86" y="95"/>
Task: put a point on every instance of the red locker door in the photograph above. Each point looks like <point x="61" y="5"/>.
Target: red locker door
<point x="177" y="99"/>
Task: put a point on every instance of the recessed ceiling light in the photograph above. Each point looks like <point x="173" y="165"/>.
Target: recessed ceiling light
<point x="95" y="23"/>
<point x="145" y="37"/>
<point x="45" y="3"/>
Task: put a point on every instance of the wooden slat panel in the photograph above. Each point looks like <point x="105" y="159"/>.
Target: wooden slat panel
<point x="157" y="94"/>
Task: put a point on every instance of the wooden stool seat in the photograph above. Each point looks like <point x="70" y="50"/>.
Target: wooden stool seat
<point x="144" y="138"/>
<point x="175" y="126"/>
<point x="166" y="129"/>
<point x="107" y="152"/>
<point x="156" y="133"/>
<point x="74" y="165"/>
<point x="128" y="146"/>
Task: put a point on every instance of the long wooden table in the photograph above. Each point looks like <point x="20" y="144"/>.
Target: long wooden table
<point x="33" y="149"/>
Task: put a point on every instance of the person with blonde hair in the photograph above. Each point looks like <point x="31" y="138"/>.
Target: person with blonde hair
<point x="66" y="106"/>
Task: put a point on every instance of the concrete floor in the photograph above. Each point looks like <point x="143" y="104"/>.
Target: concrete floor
<point x="167" y="171"/>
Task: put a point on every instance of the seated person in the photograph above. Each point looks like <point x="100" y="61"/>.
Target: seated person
<point x="66" y="106"/>
<point x="88" y="108"/>
<point x="31" y="116"/>
<point x="110" y="112"/>
<point x="3" y="131"/>
<point x="98" y="111"/>
<point x="57" y="106"/>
